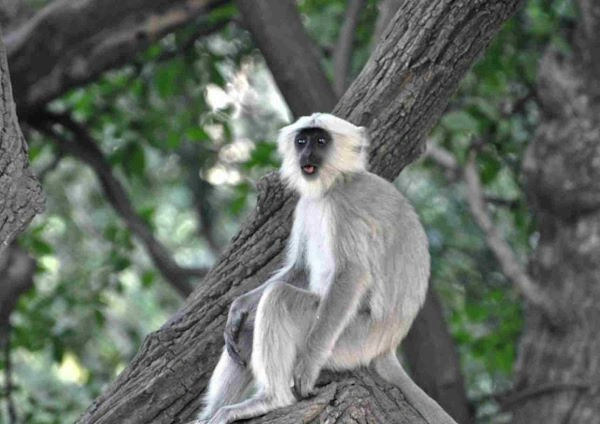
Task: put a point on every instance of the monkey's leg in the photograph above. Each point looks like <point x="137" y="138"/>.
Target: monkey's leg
<point x="284" y="316"/>
<point x="283" y="319"/>
<point x="390" y="369"/>
<point x="228" y="385"/>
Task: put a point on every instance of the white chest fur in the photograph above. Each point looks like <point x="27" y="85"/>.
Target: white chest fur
<point x="312" y="237"/>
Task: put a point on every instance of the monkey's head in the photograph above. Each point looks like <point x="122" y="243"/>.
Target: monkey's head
<point x="318" y="149"/>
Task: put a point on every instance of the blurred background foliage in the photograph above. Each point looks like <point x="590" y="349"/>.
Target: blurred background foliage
<point x="188" y="129"/>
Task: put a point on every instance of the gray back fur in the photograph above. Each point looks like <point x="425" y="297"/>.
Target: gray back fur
<point x="376" y="226"/>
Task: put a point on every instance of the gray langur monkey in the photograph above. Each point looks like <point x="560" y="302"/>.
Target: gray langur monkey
<point x="354" y="278"/>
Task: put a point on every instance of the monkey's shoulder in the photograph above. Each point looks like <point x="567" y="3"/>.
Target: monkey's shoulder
<point x="370" y="208"/>
<point x="371" y="194"/>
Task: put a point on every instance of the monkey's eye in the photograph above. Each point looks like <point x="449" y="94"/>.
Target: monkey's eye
<point x="301" y="140"/>
<point x="321" y="140"/>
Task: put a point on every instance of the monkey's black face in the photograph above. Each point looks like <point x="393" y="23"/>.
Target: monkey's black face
<point x="312" y="145"/>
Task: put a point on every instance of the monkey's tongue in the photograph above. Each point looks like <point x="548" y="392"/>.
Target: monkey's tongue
<point x="309" y="169"/>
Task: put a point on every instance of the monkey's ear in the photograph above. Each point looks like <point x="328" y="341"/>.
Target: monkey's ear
<point x="365" y="140"/>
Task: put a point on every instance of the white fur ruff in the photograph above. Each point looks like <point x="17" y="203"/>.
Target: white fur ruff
<point x="348" y="153"/>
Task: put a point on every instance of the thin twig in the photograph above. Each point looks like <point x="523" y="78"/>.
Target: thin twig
<point x="502" y="251"/>
<point x="442" y="157"/>
<point x="85" y="148"/>
<point x="505" y="256"/>
<point x="510" y="398"/>
<point x="501" y="201"/>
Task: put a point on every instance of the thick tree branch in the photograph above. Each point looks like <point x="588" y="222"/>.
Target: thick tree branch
<point x="399" y="95"/>
<point x="21" y="196"/>
<point x="292" y="58"/>
<point x="69" y="43"/>
<point x="342" y="55"/>
<point x="85" y="148"/>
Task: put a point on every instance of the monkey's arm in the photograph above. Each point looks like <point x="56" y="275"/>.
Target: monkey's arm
<point x="240" y="321"/>
<point x="335" y="311"/>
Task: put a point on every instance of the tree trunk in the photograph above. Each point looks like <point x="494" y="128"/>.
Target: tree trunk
<point x="558" y="369"/>
<point x="399" y="95"/>
<point x="21" y="196"/>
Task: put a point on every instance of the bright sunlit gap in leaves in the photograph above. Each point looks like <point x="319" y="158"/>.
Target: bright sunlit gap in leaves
<point x="242" y="96"/>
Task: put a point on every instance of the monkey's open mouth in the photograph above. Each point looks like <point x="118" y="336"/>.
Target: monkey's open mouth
<point x="309" y="169"/>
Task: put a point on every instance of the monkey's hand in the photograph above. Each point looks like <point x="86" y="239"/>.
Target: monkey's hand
<point x="306" y="372"/>
<point x="237" y="320"/>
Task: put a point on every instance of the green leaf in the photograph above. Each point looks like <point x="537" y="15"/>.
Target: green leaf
<point x="40" y="247"/>
<point x="134" y="159"/>
<point x="263" y="155"/>
<point x="196" y="134"/>
<point x="490" y="167"/>
<point x="222" y="13"/>
<point x="148" y="279"/>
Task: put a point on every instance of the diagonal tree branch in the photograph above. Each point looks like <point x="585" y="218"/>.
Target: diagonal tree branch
<point x="500" y="248"/>
<point x="70" y="43"/>
<point x="85" y="148"/>
<point x="21" y="196"/>
<point x="342" y="54"/>
<point x="504" y="254"/>
<point x="399" y="95"/>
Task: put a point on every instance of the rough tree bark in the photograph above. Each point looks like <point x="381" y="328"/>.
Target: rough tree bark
<point x="439" y="372"/>
<point x="558" y="369"/>
<point x="70" y="43"/>
<point x="21" y="196"/>
<point x="399" y="95"/>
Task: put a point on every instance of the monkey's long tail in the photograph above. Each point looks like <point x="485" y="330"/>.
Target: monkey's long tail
<point x="390" y="369"/>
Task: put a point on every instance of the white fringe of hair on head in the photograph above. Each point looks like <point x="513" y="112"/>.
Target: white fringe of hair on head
<point x="347" y="154"/>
